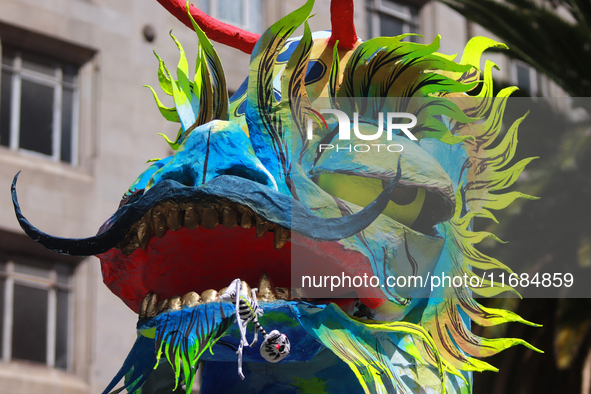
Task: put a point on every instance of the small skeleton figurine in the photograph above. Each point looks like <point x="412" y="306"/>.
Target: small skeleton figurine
<point x="275" y="347"/>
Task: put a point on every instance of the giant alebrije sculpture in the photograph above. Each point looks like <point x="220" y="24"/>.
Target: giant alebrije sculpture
<point x="246" y="186"/>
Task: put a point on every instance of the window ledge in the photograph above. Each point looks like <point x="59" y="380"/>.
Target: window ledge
<point x="22" y="160"/>
<point x="23" y="377"/>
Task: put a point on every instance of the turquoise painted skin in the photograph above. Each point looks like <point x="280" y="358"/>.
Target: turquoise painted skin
<point x="416" y="338"/>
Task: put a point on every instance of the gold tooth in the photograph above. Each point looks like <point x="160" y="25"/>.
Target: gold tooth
<point x="191" y="220"/>
<point x="210" y="217"/>
<point x="261" y="227"/>
<point x="283" y="293"/>
<point x="281" y="237"/>
<point x="190" y="299"/>
<point x="229" y="216"/>
<point x="174" y="220"/>
<point x="159" y="218"/>
<point x="144" y="305"/>
<point x="144" y="234"/>
<point x="152" y="308"/>
<point x="162" y="305"/>
<point x="246" y="220"/>
<point x="174" y="304"/>
<point x="210" y="295"/>
<point x="266" y="289"/>
<point x="246" y="288"/>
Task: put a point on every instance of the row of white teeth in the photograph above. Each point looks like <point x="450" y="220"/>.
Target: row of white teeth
<point x="152" y="305"/>
<point x="172" y="216"/>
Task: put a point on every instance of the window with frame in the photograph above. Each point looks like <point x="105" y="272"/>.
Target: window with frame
<point x="39" y="104"/>
<point x="246" y="14"/>
<point x="35" y="311"/>
<point x="527" y="79"/>
<point x="386" y="18"/>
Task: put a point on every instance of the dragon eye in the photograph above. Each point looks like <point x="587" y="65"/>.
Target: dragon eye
<point x="282" y="348"/>
<point x="405" y="203"/>
<point x="402" y="195"/>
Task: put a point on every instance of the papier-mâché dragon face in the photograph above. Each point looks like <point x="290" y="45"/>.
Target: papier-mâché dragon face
<point x="253" y="191"/>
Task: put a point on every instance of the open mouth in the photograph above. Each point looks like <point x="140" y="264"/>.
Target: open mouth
<point x="182" y="248"/>
<point x="182" y="253"/>
<point x="178" y="241"/>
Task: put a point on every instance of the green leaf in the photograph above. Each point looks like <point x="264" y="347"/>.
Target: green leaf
<point x="163" y="76"/>
<point x="169" y="113"/>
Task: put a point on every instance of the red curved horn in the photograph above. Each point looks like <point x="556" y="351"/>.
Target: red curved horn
<point x="217" y="31"/>
<point x="343" y="27"/>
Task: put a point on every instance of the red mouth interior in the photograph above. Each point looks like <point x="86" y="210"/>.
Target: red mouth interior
<point x="200" y="259"/>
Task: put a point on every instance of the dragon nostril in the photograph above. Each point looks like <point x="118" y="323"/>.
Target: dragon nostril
<point x="247" y="173"/>
<point x="182" y="174"/>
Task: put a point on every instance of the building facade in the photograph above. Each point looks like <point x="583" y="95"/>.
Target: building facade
<point x="77" y="121"/>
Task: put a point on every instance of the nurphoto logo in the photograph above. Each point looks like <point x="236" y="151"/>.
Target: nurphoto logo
<point x="345" y="131"/>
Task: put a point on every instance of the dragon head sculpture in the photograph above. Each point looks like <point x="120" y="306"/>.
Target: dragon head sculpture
<point x="254" y="192"/>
